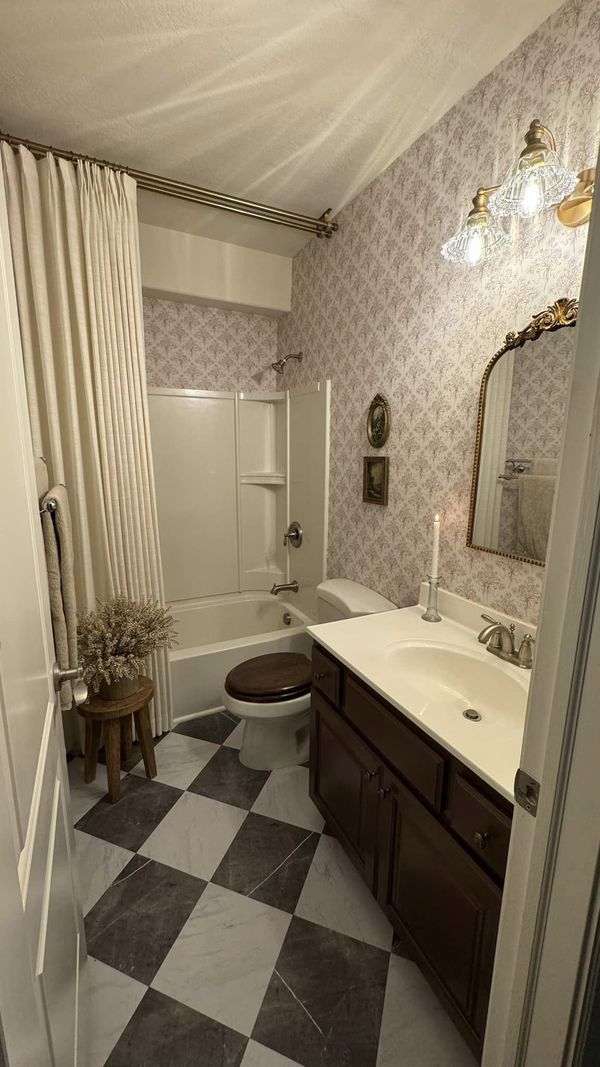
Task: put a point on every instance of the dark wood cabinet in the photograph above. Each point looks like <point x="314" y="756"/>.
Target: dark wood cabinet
<point x="432" y="890"/>
<point x="428" y="837"/>
<point x="343" y="784"/>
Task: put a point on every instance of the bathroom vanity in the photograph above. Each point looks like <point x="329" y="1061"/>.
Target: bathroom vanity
<point x="428" y="830"/>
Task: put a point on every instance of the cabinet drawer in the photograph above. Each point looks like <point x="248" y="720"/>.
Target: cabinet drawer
<point x="327" y="676"/>
<point x="480" y="824"/>
<point x="419" y="764"/>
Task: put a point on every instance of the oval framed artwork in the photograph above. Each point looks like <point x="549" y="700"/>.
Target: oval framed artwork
<point x="378" y="421"/>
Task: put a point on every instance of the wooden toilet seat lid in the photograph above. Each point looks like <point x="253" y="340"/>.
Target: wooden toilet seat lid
<point x="264" y="679"/>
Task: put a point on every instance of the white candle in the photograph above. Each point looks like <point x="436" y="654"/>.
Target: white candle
<point x="436" y="546"/>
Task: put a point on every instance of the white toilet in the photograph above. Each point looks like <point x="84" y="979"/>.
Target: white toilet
<point x="271" y="694"/>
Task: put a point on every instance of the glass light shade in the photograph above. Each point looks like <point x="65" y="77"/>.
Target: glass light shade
<point x="536" y="182"/>
<point x="480" y="239"/>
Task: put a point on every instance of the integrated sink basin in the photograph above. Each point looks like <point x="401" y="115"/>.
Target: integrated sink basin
<point x="434" y="674"/>
<point x="451" y="680"/>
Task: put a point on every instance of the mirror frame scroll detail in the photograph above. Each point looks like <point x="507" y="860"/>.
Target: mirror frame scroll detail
<point x="563" y="312"/>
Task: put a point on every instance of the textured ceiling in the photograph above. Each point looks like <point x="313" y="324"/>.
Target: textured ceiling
<point x="299" y="103"/>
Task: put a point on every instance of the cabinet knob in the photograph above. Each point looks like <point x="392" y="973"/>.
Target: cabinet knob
<point x="480" y="840"/>
<point x="383" y="791"/>
<point x="319" y="676"/>
<point x="369" y="775"/>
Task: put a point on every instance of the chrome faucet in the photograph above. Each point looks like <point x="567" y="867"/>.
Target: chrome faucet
<point x="292" y="586"/>
<point x="500" y="640"/>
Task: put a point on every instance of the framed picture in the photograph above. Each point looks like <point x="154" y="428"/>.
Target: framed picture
<point x="375" y="480"/>
<point x="378" y="421"/>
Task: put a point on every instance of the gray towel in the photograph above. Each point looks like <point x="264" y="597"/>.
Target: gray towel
<point x="58" y="543"/>
<point x="534" y="510"/>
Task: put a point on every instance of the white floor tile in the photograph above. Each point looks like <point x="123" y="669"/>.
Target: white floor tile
<point x="260" y="1056"/>
<point x="83" y="797"/>
<point x="194" y="835"/>
<point x="98" y="864"/>
<point x="334" y="895"/>
<point x="415" y="1029"/>
<point x="235" y="738"/>
<point x="179" y="759"/>
<point x="109" y="999"/>
<point x="285" y="796"/>
<point x="222" y="961"/>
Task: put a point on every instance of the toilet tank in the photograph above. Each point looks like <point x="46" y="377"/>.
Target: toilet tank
<point x="339" y="598"/>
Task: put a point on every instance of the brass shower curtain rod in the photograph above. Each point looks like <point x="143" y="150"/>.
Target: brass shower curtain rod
<point x="324" y="226"/>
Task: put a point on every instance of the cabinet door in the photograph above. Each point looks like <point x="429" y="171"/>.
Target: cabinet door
<point x="343" y="784"/>
<point x="432" y="889"/>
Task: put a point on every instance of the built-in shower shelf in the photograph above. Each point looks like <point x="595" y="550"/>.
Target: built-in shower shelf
<point x="263" y="478"/>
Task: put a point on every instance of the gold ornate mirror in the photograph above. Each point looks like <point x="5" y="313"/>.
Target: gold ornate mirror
<point x="522" y="407"/>
<point x="378" y="421"/>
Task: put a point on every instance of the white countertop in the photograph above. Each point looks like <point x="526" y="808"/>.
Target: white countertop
<point x="369" y="646"/>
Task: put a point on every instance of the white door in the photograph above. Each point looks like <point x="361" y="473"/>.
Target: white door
<point x="551" y="900"/>
<point x="41" y="932"/>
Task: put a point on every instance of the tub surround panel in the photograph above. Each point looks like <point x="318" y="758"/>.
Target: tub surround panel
<point x="377" y="309"/>
<point x="194" y="449"/>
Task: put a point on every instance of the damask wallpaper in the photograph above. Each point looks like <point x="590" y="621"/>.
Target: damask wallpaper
<point x="377" y="309"/>
<point x="539" y="394"/>
<point x="189" y="346"/>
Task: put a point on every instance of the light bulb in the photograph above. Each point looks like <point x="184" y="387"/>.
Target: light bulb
<point x="531" y="200"/>
<point x="474" y="249"/>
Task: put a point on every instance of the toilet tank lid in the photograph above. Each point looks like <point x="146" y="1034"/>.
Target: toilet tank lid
<point x="353" y="598"/>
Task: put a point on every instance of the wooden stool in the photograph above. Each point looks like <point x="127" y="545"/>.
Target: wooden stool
<point x="115" y="717"/>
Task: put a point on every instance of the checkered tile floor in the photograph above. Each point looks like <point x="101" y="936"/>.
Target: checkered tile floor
<point x="226" y="928"/>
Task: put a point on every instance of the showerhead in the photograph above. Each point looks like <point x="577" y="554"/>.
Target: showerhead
<point x="279" y="366"/>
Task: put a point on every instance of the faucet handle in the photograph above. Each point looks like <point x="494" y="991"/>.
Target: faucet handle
<point x="488" y="618"/>
<point x="525" y="654"/>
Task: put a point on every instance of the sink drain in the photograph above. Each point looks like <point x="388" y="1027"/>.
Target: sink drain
<point x="472" y="715"/>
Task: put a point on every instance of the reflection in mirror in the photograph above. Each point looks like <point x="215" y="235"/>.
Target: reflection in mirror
<point x="522" y="410"/>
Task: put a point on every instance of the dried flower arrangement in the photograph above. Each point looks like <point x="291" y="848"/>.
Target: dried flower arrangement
<point x="115" y="640"/>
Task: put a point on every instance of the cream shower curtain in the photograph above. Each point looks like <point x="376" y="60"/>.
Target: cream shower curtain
<point x="74" y="237"/>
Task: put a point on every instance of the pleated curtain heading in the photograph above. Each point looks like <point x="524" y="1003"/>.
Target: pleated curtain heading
<point x="75" y="245"/>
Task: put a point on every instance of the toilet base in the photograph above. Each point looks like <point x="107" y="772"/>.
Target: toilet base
<point x="276" y="734"/>
<point x="267" y="745"/>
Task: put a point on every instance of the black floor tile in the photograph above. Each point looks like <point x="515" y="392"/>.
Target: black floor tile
<point x="134" y="924"/>
<point x="225" y="778"/>
<point x="143" y="804"/>
<point x="215" y="727"/>
<point x="164" y="1033"/>
<point x="269" y="861"/>
<point x="324" y="1002"/>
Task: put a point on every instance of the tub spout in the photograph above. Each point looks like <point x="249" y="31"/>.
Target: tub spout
<point x="291" y="586"/>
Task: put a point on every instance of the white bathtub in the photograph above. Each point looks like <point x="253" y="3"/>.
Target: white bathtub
<point x="216" y="633"/>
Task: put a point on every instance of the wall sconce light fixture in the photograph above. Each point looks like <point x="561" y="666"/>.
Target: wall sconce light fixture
<point x="536" y="182"/>
<point x="481" y="238"/>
